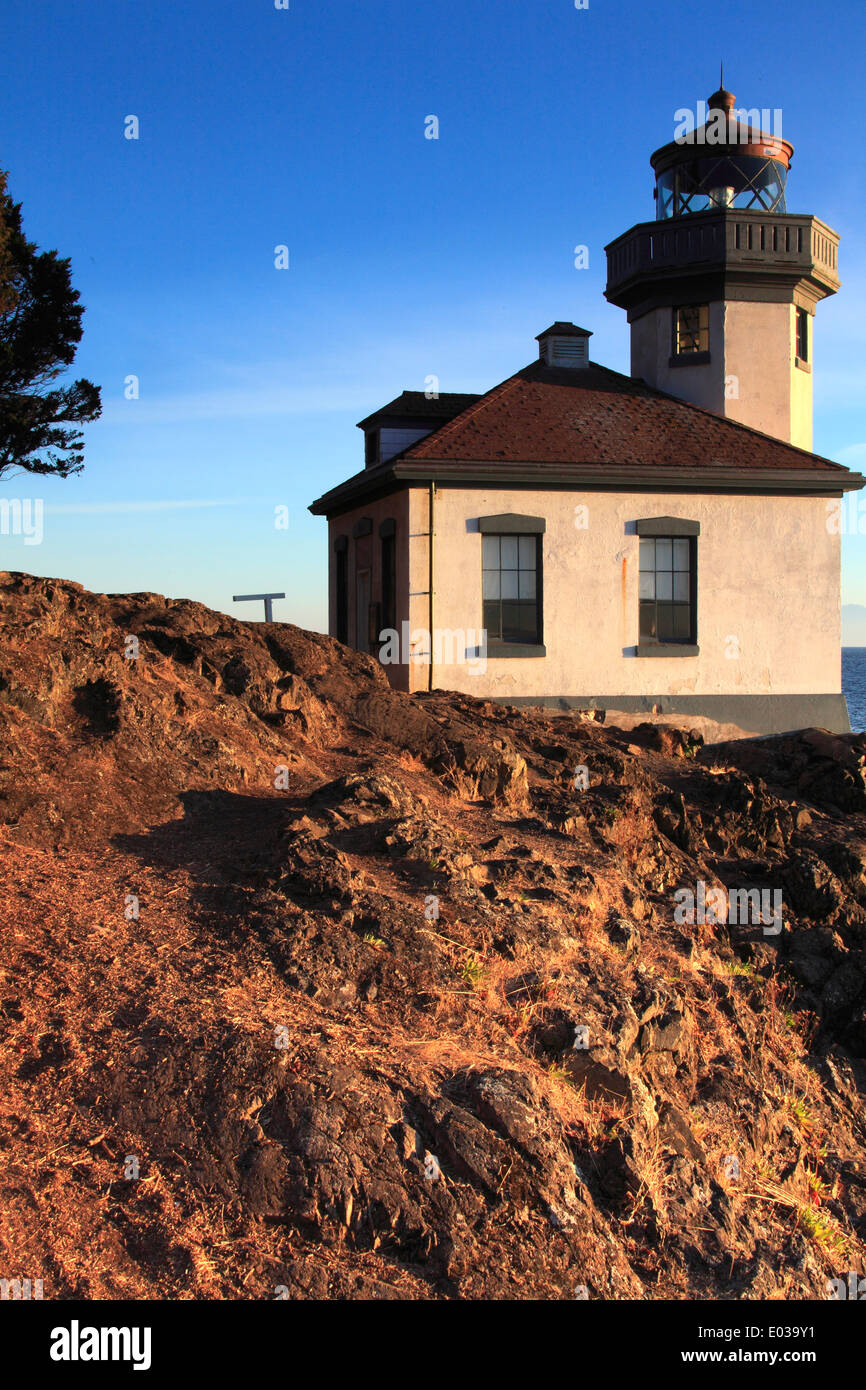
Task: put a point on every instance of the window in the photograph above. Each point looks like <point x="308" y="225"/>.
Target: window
<point x="342" y="589"/>
<point x="362" y="610"/>
<point x="371" y="448"/>
<point x="732" y="180"/>
<point x="394" y="441"/>
<point x="691" y="329"/>
<point x="389" y="579"/>
<point x="667" y="589"/>
<point x="511" y="588"/>
<point x="802" y="335"/>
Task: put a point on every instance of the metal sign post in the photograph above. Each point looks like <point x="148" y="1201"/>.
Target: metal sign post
<point x="251" y="598"/>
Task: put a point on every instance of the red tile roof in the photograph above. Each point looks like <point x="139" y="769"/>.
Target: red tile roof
<point x="590" y="427"/>
<point x="593" y="415"/>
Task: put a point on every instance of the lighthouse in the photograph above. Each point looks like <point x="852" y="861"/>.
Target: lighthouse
<point x="721" y="288"/>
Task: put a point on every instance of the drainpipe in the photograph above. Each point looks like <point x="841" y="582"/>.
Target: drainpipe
<point x="430" y="586"/>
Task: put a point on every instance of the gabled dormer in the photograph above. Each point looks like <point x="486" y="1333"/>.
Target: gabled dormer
<point x="405" y="420"/>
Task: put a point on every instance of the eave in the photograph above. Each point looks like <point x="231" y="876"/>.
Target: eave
<point x="596" y="477"/>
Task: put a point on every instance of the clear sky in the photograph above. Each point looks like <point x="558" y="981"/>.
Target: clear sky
<point x="305" y="127"/>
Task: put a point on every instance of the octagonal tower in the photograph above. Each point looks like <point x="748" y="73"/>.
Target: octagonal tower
<point x="721" y="288"/>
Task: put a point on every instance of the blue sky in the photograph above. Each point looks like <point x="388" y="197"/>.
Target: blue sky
<point x="408" y="257"/>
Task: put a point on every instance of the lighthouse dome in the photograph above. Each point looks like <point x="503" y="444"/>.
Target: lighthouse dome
<point x="725" y="158"/>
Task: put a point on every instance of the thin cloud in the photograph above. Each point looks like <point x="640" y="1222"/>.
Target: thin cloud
<point x="168" y="505"/>
<point x="852" y="453"/>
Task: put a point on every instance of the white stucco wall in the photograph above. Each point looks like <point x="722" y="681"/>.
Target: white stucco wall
<point x="768" y="588"/>
<point x="751" y="377"/>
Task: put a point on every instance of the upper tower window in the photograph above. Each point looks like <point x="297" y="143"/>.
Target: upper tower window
<point x="802" y="335"/>
<point x="691" y="329"/>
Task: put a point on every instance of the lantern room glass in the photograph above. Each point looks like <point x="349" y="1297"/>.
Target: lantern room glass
<point x="721" y="181"/>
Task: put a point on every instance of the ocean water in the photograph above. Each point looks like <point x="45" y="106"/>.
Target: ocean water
<point x="854" y="685"/>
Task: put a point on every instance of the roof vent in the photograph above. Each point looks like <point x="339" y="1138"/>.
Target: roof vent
<point x="564" y="345"/>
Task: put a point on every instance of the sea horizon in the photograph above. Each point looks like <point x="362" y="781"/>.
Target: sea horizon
<point x="854" y="685"/>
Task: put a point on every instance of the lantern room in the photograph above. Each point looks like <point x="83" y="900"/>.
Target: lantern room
<point x="728" y="162"/>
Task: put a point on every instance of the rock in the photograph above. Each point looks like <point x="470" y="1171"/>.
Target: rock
<point x="493" y="774"/>
<point x="466" y="1147"/>
<point x="644" y="1108"/>
<point x="847" y="863"/>
<point x="314" y="868"/>
<point x="666" y="1035"/>
<point x="675" y="1131"/>
<point x="810" y="966"/>
<point x="99" y="702"/>
<point x="828" y="745"/>
<point x="635" y="902"/>
<point x="671" y="815"/>
<point x="596" y="1079"/>
<point x="367" y="796"/>
<point x="510" y="1103"/>
<point x="626" y="1030"/>
<point x="556" y="1035"/>
<point x="303" y="825"/>
<point x="408" y="1141"/>
<point x="844" y="986"/>
<point x="623" y="933"/>
<point x="666" y="739"/>
<point x="855" y="1037"/>
<point x="811" y="888"/>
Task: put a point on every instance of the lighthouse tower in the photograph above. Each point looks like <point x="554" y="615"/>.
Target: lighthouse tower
<point x="721" y="288"/>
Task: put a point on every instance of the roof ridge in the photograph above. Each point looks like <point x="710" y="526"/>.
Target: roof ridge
<point x="411" y="392"/>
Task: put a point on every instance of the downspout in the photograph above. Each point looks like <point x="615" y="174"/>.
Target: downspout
<point x="430" y="586"/>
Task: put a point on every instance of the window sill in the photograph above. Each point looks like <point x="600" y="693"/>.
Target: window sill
<point x="803" y="365"/>
<point x="513" y="649"/>
<point x="667" y="649"/>
<point x="689" y="359"/>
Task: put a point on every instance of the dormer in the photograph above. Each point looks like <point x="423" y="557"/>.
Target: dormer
<point x="564" y="345"/>
<point x="390" y="430"/>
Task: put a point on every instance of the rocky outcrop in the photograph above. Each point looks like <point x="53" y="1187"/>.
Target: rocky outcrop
<point x="410" y="996"/>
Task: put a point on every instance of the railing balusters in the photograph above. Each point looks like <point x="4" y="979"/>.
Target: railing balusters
<point x="788" y="238"/>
